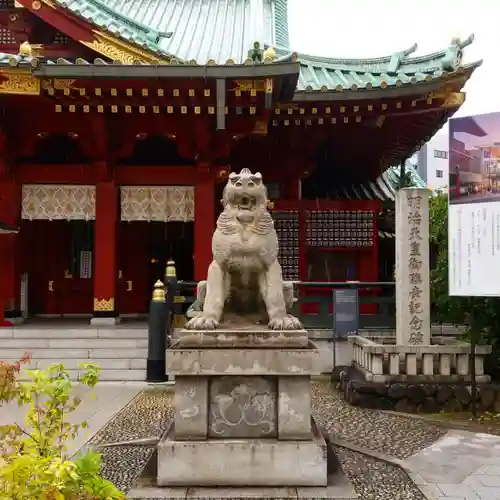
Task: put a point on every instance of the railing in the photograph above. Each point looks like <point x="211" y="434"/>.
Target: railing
<point x="315" y="302"/>
<point x="446" y="359"/>
<point x="377" y="303"/>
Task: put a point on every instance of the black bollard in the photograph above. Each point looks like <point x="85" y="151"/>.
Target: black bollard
<point x="171" y="292"/>
<point x="157" y="335"/>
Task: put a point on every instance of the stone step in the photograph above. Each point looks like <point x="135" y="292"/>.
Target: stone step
<point x="73" y="343"/>
<point x="120" y="352"/>
<point x="73" y="353"/>
<point x="24" y="332"/>
<point x="107" y="375"/>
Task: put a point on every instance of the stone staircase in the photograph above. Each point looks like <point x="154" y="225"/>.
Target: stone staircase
<point x="119" y="351"/>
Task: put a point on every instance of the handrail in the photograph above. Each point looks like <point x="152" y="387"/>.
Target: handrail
<point x="355" y="284"/>
<point x="320" y="284"/>
<point x="384" y="301"/>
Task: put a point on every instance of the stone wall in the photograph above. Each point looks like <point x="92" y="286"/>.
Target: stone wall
<point x="418" y="397"/>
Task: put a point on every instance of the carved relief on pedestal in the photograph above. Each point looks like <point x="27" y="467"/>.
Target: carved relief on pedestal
<point x="242" y="407"/>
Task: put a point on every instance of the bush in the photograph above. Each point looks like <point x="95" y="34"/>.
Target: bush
<point x="34" y="461"/>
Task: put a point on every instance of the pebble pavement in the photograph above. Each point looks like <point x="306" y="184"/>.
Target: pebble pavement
<point x="148" y="415"/>
<point x="398" y="437"/>
<point x="376" y="480"/>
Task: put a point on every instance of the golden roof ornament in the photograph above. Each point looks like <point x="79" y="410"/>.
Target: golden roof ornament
<point x="270" y="53"/>
<point x="25" y="49"/>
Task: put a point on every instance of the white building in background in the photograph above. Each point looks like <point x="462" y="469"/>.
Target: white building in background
<point x="432" y="162"/>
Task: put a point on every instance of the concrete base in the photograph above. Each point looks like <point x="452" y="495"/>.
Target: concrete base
<point x="105" y="321"/>
<point x="212" y="362"/>
<point x="338" y="488"/>
<point x="242" y="337"/>
<point x="242" y="462"/>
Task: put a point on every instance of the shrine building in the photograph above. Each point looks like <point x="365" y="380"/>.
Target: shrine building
<point x="121" y="120"/>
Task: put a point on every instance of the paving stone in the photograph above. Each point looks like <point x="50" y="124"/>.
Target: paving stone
<point x="458" y="490"/>
<point x="490" y="470"/>
<point x="491" y="481"/>
<point x="485" y="493"/>
<point x="466" y="461"/>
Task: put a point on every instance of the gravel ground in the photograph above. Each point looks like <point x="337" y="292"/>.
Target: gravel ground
<point x="149" y="413"/>
<point x="122" y="465"/>
<point x="376" y="480"/>
<point x="374" y="430"/>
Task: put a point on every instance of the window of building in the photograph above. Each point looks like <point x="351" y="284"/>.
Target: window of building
<point x="438" y="153"/>
<point x="439" y="174"/>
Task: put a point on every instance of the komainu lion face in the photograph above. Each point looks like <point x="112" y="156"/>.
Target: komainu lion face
<point x="245" y="194"/>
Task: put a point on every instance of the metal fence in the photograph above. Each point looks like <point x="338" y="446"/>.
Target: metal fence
<point x="314" y="304"/>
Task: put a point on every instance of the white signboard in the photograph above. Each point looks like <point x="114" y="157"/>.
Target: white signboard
<point x="474" y="206"/>
<point x="474" y="249"/>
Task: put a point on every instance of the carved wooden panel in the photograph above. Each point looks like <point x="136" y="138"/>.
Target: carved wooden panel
<point x="157" y="203"/>
<point x="58" y="202"/>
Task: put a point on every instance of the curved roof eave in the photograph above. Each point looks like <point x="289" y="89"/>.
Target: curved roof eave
<point x="328" y="87"/>
<point x="393" y="61"/>
<point x="346" y="61"/>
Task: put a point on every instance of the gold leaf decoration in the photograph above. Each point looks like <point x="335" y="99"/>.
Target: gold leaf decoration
<point x="19" y="84"/>
<point x="104" y="304"/>
<point x="118" y="50"/>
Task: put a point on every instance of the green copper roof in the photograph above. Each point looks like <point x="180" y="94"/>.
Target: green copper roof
<point x="223" y="31"/>
<point x="383" y="188"/>
<point x="395" y="70"/>
<point x="324" y="77"/>
<point x="198" y="30"/>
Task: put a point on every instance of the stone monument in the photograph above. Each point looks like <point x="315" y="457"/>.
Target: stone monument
<point x="243" y="365"/>
<point x="413" y="319"/>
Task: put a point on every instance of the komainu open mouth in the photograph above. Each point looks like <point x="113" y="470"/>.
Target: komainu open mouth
<point x="246" y="202"/>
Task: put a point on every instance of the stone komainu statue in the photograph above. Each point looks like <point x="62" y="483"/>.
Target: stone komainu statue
<point x="245" y="275"/>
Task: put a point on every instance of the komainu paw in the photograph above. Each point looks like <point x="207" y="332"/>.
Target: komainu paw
<point x="202" y="323"/>
<point x="288" y="322"/>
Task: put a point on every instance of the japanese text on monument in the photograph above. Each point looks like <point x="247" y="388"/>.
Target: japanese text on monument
<point x="415" y="264"/>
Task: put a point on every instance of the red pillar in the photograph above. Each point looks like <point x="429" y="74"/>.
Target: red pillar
<point x="292" y="188"/>
<point x="105" y="271"/>
<point x="10" y="281"/>
<point x="204" y="220"/>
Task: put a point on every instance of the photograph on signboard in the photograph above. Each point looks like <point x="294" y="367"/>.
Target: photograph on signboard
<point x="474" y="159"/>
<point x="474" y="211"/>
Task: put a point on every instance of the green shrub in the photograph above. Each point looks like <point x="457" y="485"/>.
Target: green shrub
<point x="34" y="460"/>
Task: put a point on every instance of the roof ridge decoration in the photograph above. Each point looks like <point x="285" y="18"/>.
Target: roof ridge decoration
<point x="447" y="59"/>
<point x="353" y="61"/>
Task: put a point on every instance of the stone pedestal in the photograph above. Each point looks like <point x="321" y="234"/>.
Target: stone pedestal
<point x="242" y="411"/>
